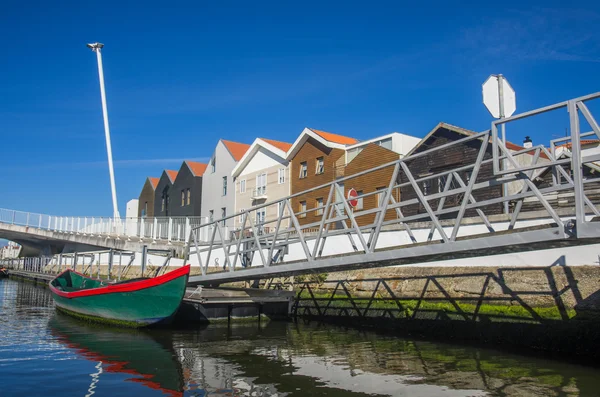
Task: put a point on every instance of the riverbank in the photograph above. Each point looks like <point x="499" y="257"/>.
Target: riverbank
<point x="553" y="309"/>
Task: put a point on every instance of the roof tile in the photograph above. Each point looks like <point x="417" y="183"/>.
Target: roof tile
<point x="172" y="174"/>
<point x="236" y="149"/>
<point x="197" y="168"/>
<point x="335" y="138"/>
<point x="278" y="144"/>
<point x="153" y="181"/>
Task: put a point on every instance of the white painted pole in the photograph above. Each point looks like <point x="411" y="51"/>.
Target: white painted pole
<point x="501" y="107"/>
<point x="96" y="47"/>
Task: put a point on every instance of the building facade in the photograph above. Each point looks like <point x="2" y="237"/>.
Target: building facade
<point x="262" y="175"/>
<point x="163" y="194"/>
<point x="445" y="160"/>
<point x="187" y="190"/>
<point x="316" y="158"/>
<point x="146" y="199"/>
<point x="218" y="190"/>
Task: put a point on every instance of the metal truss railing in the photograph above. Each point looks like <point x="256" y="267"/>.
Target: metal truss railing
<point x="159" y="228"/>
<point x="424" y="224"/>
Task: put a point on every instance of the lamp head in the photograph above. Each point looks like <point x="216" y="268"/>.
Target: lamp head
<point x="95" y="46"/>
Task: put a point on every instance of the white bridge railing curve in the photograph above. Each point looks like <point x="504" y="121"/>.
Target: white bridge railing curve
<point x="158" y="228"/>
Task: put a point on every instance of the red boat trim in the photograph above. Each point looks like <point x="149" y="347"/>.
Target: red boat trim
<point x="125" y="287"/>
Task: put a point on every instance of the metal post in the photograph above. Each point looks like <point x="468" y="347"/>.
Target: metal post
<point x="170" y="229"/>
<point x="503" y="126"/>
<point x="155" y="228"/>
<point x="144" y="258"/>
<point x="96" y="47"/>
<point x="110" y="263"/>
<point x="576" y="163"/>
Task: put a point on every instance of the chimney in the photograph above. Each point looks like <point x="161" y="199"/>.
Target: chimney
<point x="527" y="142"/>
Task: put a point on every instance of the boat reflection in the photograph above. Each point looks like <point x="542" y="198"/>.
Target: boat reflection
<point x="148" y="357"/>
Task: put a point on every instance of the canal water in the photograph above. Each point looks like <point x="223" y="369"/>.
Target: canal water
<point x="45" y="353"/>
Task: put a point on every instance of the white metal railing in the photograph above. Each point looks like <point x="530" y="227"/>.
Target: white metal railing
<point x="430" y="218"/>
<point x="159" y="228"/>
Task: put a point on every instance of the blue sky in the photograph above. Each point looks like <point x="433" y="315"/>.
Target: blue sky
<point x="181" y="75"/>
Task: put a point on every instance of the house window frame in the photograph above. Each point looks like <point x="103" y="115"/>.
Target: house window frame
<point x="223" y="215"/>
<point x="359" y="200"/>
<point x="320" y="165"/>
<point x="189" y="196"/>
<point x="182" y="197"/>
<point x="303" y="169"/>
<point x="243" y="186"/>
<point x="211" y="216"/>
<point x="281" y="176"/>
<point x="319" y="203"/>
<point x="213" y="164"/>
<point x="303" y="208"/>
<point x="224" y="186"/>
<point x="261" y="189"/>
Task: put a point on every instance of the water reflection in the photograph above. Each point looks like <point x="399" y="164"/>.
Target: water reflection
<point x="44" y="350"/>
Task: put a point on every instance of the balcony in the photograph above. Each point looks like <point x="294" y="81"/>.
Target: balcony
<point x="260" y="193"/>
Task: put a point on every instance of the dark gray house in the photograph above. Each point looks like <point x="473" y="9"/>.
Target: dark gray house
<point x="186" y="196"/>
<point x="164" y="194"/>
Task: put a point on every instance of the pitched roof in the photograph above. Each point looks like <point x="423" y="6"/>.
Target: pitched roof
<point x="463" y="131"/>
<point x="172" y="175"/>
<point x="196" y="168"/>
<point x="153" y="181"/>
<point x="335" y="138"/>
<point x="236" y="149"/>
<point x="583" y="142"/>
<point x="278" y="144"/>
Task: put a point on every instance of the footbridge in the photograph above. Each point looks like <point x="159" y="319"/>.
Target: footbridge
<point x="507" y="200"/>
<point x="41" y="234"/>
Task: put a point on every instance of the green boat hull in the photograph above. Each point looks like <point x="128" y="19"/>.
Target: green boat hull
<point x="138" y="307"/>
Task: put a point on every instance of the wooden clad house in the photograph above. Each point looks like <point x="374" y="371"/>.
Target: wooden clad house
<point x="187" y="190"/>
<point x="370" y="154"/>
<point x="316" y="158"/>
<point x="146" y="198"/>
<point x="451" y="158"/>
<point x="163" y="194"/>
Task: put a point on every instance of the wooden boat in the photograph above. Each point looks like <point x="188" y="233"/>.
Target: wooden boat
<point x="132" y="303"/>
<point x="3" y="272"/>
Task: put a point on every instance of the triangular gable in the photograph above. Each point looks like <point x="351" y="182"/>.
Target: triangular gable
<point x="153" y="182"/>
<point x="327" y="139"/>
<point x="197" y="169"/>
<point x="276" y="147"/>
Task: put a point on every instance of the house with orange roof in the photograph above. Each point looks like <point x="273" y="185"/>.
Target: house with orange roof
<point x="146" y="198"/>
<point x="163" y="193"/>
<point x="316" y="158"/>
<point x="262" y="175"/>
<point x="218" y="190"/>
<point x="188" y="189"/>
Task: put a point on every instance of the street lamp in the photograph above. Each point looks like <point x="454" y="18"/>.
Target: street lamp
<point x="96" y="47"/>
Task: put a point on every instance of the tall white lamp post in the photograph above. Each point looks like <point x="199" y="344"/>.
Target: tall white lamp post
<point x="97" y="47"/>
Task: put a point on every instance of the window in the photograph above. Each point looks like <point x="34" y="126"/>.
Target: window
<point x="320" y="166"/>
<point x="302" y="209"/>
<point x="211" y="215"/>
<point x="224" y="186"/>
<point x="213" y="164"/>
<point x="243" y="186"/>
<point x="303" y="169"/>
<point x="381" y="195"/>
<point x="281" y="176"/>
<point x="261" y="184"/>
<point x="261" y="216"/>
<point x="223" y="215"/>
<point x="182" y="197"/>
<point x="162" y="207"/>
<point x="319" y="203"/>
<point x="359" y="200"/>
<point x="145" y="211"/>
<point x="425" y="188"/>
<point x="241" y="217"/>
<point x="189" y="196"/>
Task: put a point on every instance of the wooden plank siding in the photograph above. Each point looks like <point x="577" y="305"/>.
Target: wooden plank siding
<point x="310" y="151"/>
<point x="370" y="157"/>
<point x="448" y="159"/>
